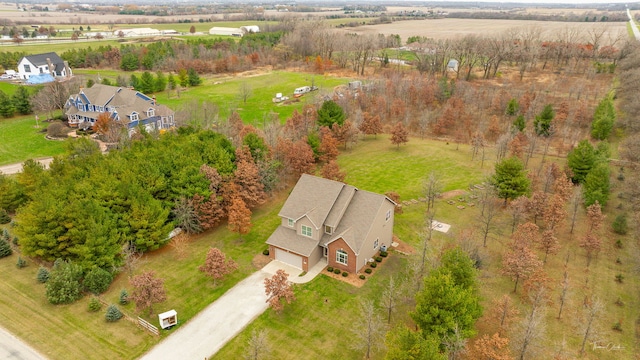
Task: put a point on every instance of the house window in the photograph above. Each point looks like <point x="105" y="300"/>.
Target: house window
<point x="388" y="215"/>
<point x="328" y="229"/>
<point x="151" y="113"/>
<point x="342" y="257"/>
<point x="134" y="116"/>
<point x="325" y="252"/>
<point x="291" y="222"/>
<point x="27" y="68"/>
<point x="375" y="244"/>
<point x="306" y="231"/>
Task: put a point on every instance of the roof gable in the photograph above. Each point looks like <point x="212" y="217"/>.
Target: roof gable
<point x="312" y="197"/>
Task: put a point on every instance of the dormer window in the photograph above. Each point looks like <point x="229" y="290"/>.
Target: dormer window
<point x="134" y="116"/>
<point x="151" y="112"/>
<point x="291" y="223"/>
<point x="307" y="231"/>
<point x="328" y="229"/>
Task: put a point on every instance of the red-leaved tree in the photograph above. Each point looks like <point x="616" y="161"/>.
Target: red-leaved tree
<point x="147" y="290"/>
<point x="278" y="288"/>
<point x="217" y="265"/>
<point x="332" y="171"/>
<point x="399" y="134"/>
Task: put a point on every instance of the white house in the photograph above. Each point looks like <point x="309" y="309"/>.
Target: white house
<point x="47" y="63"/>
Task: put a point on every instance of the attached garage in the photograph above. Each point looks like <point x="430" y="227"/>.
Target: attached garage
<point x="289" y="258"/>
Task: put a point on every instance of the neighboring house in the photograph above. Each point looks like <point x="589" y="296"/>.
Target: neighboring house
<point x="130" y="107"/>
<point x="47" y="63"/>
<point x="326" y="220"/>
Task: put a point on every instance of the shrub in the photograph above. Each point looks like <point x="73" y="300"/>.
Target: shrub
<point x="345" y="274"/>
<point x="97" y="280"/>
<point x="5" y="248"/>
<point x="336" y="271"/>
<point x="619" y="244"/>
<point x="21" y="263"/>
<point x="4" y="217"/>
<point x="617" y="326"/>
<point x="362" y="277"/>
<point x="330" y="269"/>
<point x="5" y="235"/>
<point x="43" y="275"/>
<point x="57" y="130"/>
<point x="618" y="261"/>
<point x="15" y="240"/>
<point x="620" y="278"/>
<point x="378" y="259"/>
<point x="373" y="265"/>
<point x="124" y="297"/>
<point x="94" y="304"/>
<point x="265" y="252"/>
<point x="63" y="286"/>
<point x="384" y="254"/>
<point x="368" y="271"/>
<point x="620" y="225"/>
<point x="113" y="314"/>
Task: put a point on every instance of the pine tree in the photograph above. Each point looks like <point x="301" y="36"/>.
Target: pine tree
<point x="510" y="179"/>
<point x="43" y="275"/>
<point x="5" y="248"/>
<point x="22" y="101"/>
<point x="6" y="106"/>
<point x="113" y="314"/>
<point x="193" y="78"/>
<point x="542" y="122"/>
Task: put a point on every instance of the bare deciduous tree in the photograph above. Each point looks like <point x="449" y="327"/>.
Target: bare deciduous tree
<point x="369" y="329"/>
<point x="258" y="346"/>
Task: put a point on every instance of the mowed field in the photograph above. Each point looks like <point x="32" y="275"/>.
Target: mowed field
<point x="454" y="28"/>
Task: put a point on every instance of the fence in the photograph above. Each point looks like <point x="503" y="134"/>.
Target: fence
<point x="147" y="325"/>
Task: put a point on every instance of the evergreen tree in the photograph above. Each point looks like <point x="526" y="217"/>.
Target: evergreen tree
<point x="183" y="78"/>
<point x="124" y="297"/>
<point x="97" y="280"/>
<point x="580" y="160"/>
<point x="330" y="113"/>
<point x="6" y="106"/>
<point x="146" y="85"/>
<point x="22" y="101"/>
<point x="4" y="216"/>
<point x="520" y="123"/>
<point x="193" y="78"/>
<point x="161" y="82"/>
<point x="5" y="248"/>
<point x="512" y="107"/>
<point x="404" y="344"/>
<point x="43" y="275"/>
<point x="604" y="118"/>
<point x="510" y="179"/>
<point x="113" y="314"/>
<point x="171" y="82"/>
<point x="63" y="286"/>
<point x="597" y="185"/>
<point x="542" y="122"/>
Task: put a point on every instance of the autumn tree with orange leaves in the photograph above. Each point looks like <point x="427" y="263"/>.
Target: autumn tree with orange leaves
<point x="216" y="265"/>
<point x="399" y="134"/>
<point x="278" y="288"/>
<point x="239" y="219"/>
<point x="492" y="347"/>
<point x="520" y="262"/>
<point x="371" y="124"/>
<point x="331" y="171"/>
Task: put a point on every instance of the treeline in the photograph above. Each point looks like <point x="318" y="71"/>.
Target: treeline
<point x="620" y="16"/>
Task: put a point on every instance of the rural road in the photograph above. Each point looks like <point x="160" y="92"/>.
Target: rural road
<point x="12" y="348"/>
<point x="16" y="168"/>
<point x="634" y="27"/>
<point x="213" y="327"/>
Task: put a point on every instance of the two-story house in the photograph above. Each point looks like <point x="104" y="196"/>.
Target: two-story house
<point x="131" y="108"/>
<point x="47" y="63"/>
<point x="326" y="220"/>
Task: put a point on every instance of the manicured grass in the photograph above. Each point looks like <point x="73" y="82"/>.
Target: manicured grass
<point x="59" y="47"/>
<point x="21" y="140"/>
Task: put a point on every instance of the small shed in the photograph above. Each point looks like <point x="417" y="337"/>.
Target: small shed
<point x="452" y="65"/>
<point x="168" y="319"/>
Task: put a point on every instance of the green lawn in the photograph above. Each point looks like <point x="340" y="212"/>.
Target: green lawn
<point x="21" y="140"/>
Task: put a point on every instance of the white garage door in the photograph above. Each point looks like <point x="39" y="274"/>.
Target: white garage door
<point x="289" y="258"/>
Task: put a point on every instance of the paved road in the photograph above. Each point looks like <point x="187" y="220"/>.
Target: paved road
<point x="634" y="27"/>
<point x="12" y="348"/>
<point x="16" y="168"/>
<point x="213" y="327"/>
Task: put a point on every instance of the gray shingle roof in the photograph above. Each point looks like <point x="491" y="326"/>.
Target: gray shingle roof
<point x="351" y="212"/>
<point x="41" y="59"/>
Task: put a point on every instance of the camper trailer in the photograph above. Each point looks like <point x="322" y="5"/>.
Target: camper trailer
<point x="301" y="91"/>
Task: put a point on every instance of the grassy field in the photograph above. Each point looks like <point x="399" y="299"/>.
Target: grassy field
<point x="21" y="140"/>
<point x="224" y="91"/>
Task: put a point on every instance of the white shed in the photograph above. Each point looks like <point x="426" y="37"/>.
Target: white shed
<point x="168" y="319"/>
<point x="250" y="29"/>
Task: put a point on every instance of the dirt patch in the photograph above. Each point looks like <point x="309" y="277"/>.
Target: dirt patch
<point x="402" y="247"/>
<point x="452" y="194"/>
<point x="259" y="261"/>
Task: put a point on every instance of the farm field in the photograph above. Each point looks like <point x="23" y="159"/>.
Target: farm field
<point x="451" y="28"/>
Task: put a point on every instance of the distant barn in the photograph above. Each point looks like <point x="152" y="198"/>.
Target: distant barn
<point x="216" y="30"/>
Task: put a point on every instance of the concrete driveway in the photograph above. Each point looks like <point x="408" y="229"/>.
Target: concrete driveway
<point x="15" y="349"/>
<point x="221" y="321"/>
<point x="16" y="168"/>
